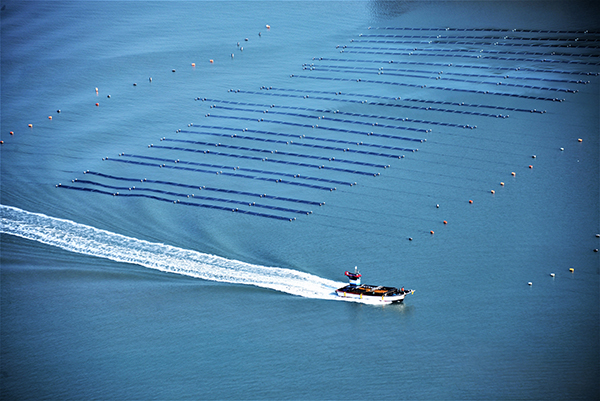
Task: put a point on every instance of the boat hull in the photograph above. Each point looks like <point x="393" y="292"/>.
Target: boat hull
<point x="373" y="294"/>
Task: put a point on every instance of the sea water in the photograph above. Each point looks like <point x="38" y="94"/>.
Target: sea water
<point x="173" y="294"/>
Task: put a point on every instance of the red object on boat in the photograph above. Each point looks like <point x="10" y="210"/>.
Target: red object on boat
<point x="352" y="276"/>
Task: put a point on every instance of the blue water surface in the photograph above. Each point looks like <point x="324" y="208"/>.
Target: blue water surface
<point x="178" y="229"/>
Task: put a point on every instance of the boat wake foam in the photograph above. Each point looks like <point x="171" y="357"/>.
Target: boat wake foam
<point x="87" y="240"/>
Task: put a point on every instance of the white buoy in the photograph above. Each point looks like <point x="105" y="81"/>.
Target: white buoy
<point x="552" y="274"/>
<point x="530" y="283"/>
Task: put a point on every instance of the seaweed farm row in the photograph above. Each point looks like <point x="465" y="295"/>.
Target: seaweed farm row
<point x="343" y="119"/>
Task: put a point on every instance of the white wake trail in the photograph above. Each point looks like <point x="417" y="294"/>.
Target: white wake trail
<point x="88" y="240"/>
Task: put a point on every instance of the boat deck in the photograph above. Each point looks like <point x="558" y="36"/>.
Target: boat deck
<point x="371" y="290"/>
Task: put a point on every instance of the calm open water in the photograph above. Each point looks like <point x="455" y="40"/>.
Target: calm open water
<point x="164" y="272"/>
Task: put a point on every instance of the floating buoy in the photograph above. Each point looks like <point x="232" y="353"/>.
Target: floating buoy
<point x="470" y="201"/>
<point x="97" y="104"/>
<point x="571" y="270"/>
<point x="513" y="174"/>
<point x="173" y="70"/>
<point x="108" y="96"/>
<point x="551" y="274"/>
<point x="212" y="61"/>
<point x="410" y="238"/>
<point x="492" y="191"/>
<point x="597" y="235"/>
<point x="150" y="79"/>
<point x="445" y="222"/>
<point x="530" y="283"/>
<point x="579" y="140"/>
<point x="501" y="183"/>
<point x="437" y="205"/>
<point x="268" y="26"/>
<point x="530" y="166"/>
<point x="533" y="156"/>
<point x="431" y="232"/>
<point x="12" y="133"/>
<point x="58" y="111"/>
<point x="595" y="249"/>
<point x="193" y="64"/>
<point x="1" y="142"/>
<point x="562" y="149"/>
<point x="134" y="84"/>
<point x="96" y="90"/>
<point x="30" y="125"/>
<point x="49" y="117"/>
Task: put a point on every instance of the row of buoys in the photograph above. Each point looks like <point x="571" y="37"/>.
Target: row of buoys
<point x="327" y="128"/>
<point x="484" y="52"/>
<point x="469" y="66"/>
<point x="403" y="119"/>
<point x="571" y="270"/>
<point x="419" y="74"/>
<point x="285" y="161"/>
<point x="286" y="135"/>
<point x="439" y="73"/>
<point x="448" y="29"/>
<point x="177" y="201"/>
<point x="204" y="170"/>
<point x="428" y="101"/>
<point x="461" y="42"/>
<point x="486" y="92"/>
<point x="480" y="55"/>
<point x="220" y="190"/>
<point x="303" y="144"/>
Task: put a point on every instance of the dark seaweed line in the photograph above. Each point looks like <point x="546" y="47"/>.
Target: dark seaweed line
<point x="223" y="173"/>
<point x="302" y="108"/>
<point x="293" y="136"/>
<point x="317" y="126"/>
<point x="505" y="37"/>
<point x="352" y="68"/>
<point x="202" y="197"/>
<point x="440" y="41"/>
<point x="461" y="104"/>
<point x="332" y="129"/>
<point x="275" y="152"/>
<point x="443" y="77"/>
<point x="473" y="56"/>
<point x="222" y="190"/>
<point x="362" y="95"/>
<point x="446" y="64"/>
<point x="266" y="172"/>
<point x="485" y="30"/>
<point x="433" y="87"/>
<point x="265" y="159"/>
<point x="272" y="216"/>
<point x="310" y="145"/>
<point x="403" y="119"/>
<point x="504" y="52"/>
